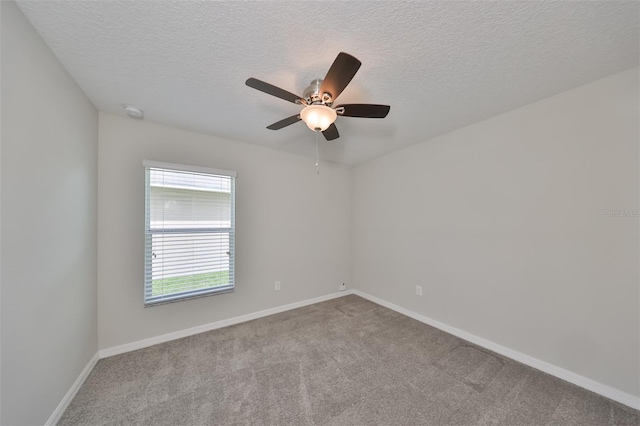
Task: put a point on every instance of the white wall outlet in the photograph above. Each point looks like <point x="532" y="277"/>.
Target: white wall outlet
<point x="342" y="287"/>
<point x="277" y="285"/>
<point x="419" y="290"/>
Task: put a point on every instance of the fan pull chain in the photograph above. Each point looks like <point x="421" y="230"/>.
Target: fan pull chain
<point x="317" y="154"/>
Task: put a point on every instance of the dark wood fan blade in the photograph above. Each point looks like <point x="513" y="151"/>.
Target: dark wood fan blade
<point x="340" y="74"/>
<point x="365" y="110"/>
<point x="284" y="123"/>
<point x="272" y="90"/>
<point x="331" y="133"/>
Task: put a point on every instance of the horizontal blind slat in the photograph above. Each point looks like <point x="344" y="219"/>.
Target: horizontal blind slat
<point x="189" y="233"/>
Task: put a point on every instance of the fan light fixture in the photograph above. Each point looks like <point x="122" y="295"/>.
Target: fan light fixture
<point x="318" y="117"/>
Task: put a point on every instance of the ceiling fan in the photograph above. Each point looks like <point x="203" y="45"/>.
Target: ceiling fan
<point x="319" y="113"/>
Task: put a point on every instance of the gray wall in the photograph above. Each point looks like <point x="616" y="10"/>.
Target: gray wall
<point x="505" y="225"/>
<point x="292" y="226"/>
<point x="48" y="171"/>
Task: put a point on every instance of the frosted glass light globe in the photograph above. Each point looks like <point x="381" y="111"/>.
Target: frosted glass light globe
<point x="318" y="117"/>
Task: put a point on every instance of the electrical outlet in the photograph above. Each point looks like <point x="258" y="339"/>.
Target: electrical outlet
<point x="342" y="287"/>
<point x="277" y="285"/>
<point x="419" y="290"/>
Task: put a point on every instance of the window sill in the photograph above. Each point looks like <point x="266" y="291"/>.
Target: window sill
<point x="179" y="297"/>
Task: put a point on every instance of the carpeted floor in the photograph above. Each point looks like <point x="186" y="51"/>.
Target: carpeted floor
<point x="344" y="361"/>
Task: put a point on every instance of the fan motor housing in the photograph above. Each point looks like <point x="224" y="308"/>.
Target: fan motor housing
<point x="313" y="96"/>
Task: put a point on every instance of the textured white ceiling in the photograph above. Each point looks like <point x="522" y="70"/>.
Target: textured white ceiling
<point x="440" y="65"/>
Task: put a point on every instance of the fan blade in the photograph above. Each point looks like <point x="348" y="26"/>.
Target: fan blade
<point x="272" y="90"/>
<point x="340" y="74"/>
<point x="364" y="110"/>
<point x="331" y="133"/>
<point x="284" y="123"/>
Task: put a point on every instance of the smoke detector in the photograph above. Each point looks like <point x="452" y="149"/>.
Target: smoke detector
<point x="133" y="111"/>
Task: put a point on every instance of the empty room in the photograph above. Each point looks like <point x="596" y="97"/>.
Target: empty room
<point x="319" y="213"/>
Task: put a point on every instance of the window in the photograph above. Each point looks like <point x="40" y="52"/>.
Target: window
<point x="189" y="232"/>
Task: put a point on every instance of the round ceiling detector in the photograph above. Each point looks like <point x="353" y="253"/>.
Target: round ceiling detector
<point x="133" y="111"/>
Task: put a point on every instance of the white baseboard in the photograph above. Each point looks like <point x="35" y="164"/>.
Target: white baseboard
<point x="569" y="376"/>
<point x="116" y="350"/>
<point x="75" y="387"/>
<point x="128" y="347"/>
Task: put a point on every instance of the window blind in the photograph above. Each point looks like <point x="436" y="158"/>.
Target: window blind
<point x="189" y="232"/>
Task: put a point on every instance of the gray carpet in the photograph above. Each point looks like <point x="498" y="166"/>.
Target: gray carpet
<point x="346" y="361"/>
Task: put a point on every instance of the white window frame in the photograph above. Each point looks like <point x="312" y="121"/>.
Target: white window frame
<point x="191" y="294"/>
